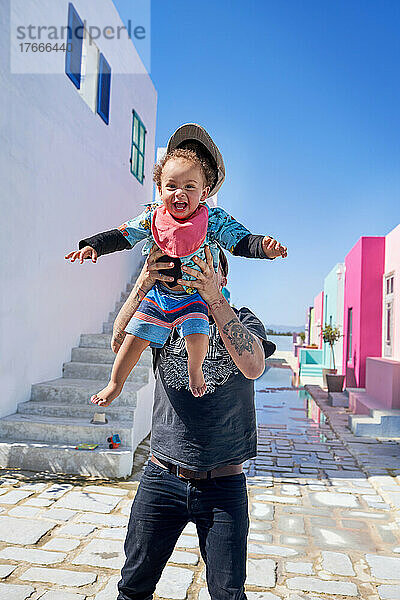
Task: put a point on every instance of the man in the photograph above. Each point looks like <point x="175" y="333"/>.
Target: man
<point x="198" y="445"/>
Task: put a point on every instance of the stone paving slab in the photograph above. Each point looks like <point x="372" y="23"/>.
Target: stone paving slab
<point x="98" y="553"/>
<point x="58" y="514"/>
<point x="384" y="567"/>
<point x="54" y="595"/>
<point x="174" y="583"/>
<point x="88" y="501"/>
<point x="23" y="531"/>
<point x="110" y="591"/>
<point x="312" y="584"/>
<point x="389" y="592"/>
<point x="113" y="533"/>
<point x="104" y="520"/>
<point x="31" y="555"/>
<point x="59" y="576"/>
<point x="6" y="570"/>
<point x="15" y="592"/>
<point x="14" y="496"/>
<point x="184" y="558"/>
<point x="261" y="572"/>
<point x="61" y="544"/>
<point x="76" y="530"/>
<point x="337" y="563"/>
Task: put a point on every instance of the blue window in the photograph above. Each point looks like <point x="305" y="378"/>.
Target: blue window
<point x="73" y="55"/>
<point x="104" y="85"/>
<point x="138" y="147"/>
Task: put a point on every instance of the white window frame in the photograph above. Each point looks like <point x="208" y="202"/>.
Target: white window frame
<point x="388" y="305"/>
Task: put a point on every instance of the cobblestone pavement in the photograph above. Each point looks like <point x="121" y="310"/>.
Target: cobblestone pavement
<point x="320" y="527"/>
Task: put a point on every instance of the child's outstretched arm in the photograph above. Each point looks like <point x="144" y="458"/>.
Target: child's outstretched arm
<point x="124" y="237"/>
<point x="236" y="238"/>
<point x="259" y="246"/>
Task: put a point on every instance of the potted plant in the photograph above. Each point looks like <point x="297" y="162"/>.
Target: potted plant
<point x="333" y="382"/>
<point x="302" y="336"/>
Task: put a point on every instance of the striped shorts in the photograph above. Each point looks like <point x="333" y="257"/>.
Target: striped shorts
<point x="162" y="309"/>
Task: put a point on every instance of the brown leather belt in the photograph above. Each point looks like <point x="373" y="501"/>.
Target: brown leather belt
<point x="189" y="474"/>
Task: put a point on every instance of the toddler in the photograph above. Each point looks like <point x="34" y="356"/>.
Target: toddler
<point x="181" y="225"/>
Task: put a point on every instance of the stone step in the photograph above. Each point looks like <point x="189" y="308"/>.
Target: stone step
<point x="103" y="355"/>
<point x="380" y="425"/>
<point x="79" y="391"/>
<point x="60" y="430"/>
<point x="112" y="316"/>
<point x="63" y="458"/>
<point x="95" y="340"/>
<point x="80" y="370"/>
<point x="83" y="411"/>
<point x="107" y="327"/>
<point x="338" y="399"/>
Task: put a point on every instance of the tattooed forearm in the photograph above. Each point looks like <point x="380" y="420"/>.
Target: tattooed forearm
<point x="129" y="308"/>
<point x="240" y="338"/>
<point x="119" y="336"/>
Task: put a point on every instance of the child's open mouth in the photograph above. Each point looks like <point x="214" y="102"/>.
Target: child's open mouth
<point x="180" y="205"/>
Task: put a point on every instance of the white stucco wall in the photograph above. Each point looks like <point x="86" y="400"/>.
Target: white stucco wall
<point x="65" y="175"/>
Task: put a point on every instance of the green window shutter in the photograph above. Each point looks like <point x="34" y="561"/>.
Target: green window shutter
<point x="138" y="147"/>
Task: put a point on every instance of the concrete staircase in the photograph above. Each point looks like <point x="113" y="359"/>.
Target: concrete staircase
<point x="43" y="433"/>
<point x="380" y="424"/>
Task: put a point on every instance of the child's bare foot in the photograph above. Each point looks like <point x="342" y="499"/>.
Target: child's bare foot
<point x="197" y="383"/>
<point x="106" y="395"/>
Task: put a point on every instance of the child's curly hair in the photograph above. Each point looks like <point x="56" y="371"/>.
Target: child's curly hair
<point x="193" y="154"/>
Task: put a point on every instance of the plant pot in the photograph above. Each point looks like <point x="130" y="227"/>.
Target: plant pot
<point x="335" y="383"/>
<point x="326" y="372"/>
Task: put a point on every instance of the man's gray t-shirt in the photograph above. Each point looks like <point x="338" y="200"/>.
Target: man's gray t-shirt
<point x="216" y="429"/>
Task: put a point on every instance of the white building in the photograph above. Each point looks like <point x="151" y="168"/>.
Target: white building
<point x="67" y="127"/>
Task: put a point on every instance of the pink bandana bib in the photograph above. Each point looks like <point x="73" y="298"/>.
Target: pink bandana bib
<point x="179" y="238"/>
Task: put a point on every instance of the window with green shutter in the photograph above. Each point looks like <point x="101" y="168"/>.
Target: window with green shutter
<point x="138" y="147"/>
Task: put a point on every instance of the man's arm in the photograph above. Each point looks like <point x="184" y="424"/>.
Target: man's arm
<point x="147" y="278"/>
<point x="245" y="349"/>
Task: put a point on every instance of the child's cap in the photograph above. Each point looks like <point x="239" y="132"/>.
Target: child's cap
<point x="192" y="134"/>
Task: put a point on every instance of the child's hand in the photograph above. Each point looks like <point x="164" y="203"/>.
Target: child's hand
<point x="272" y="248"/>
<point x="82" y="254"/>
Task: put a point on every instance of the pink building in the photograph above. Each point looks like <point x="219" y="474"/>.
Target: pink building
<point x="316" y="328"/>
<point x="363" y="297"/>
<point x="383" y="372"/>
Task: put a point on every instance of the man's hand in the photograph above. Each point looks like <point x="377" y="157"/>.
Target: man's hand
<point x="206" y="281"/>
<point x="86" y="252"/>
<point x="147" y="278"/>
<point x="272" y="248"/>
<point x="150" y="272"/>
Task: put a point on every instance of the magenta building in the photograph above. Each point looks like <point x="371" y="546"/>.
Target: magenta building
<point x="363" y="297"/>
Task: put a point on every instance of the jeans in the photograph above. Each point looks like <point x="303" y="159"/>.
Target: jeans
<point x="163" y="505"/>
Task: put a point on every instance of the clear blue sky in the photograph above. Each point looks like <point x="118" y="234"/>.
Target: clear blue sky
<point x="302" y="98"/>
